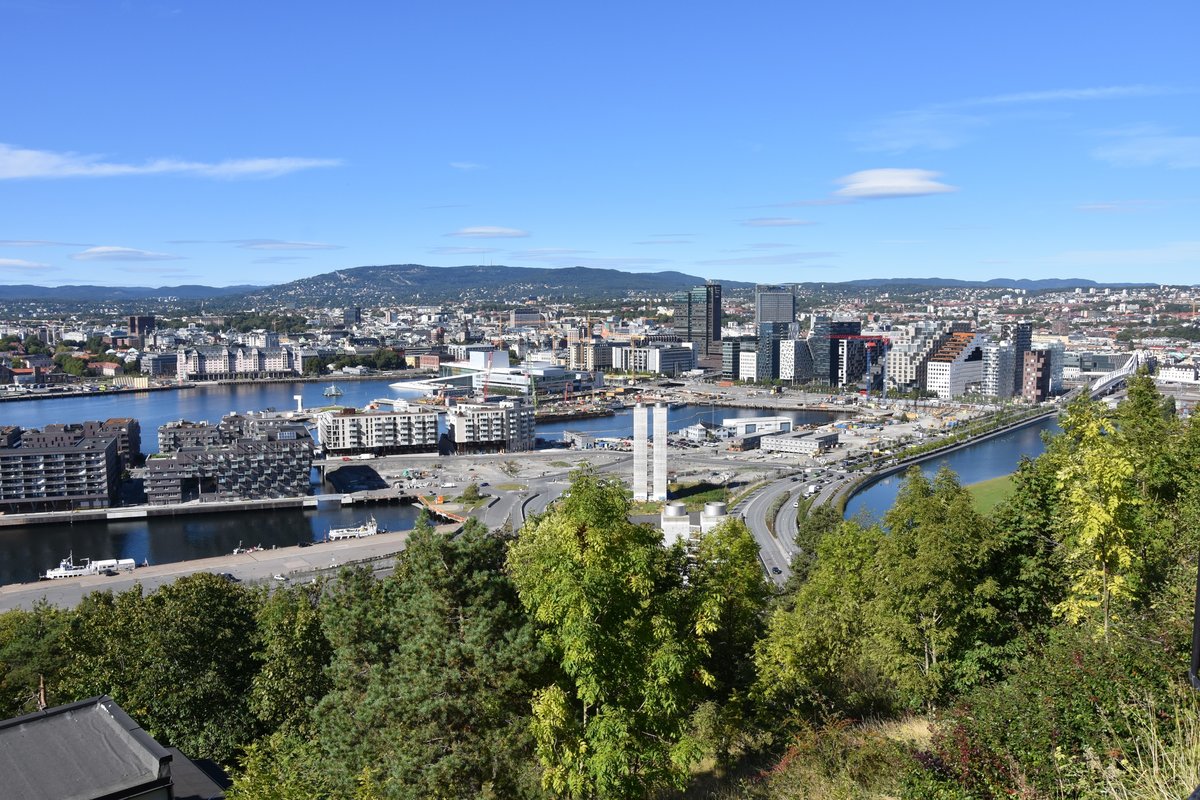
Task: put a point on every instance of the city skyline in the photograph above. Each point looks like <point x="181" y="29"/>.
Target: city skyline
<point x="158" y="144"/>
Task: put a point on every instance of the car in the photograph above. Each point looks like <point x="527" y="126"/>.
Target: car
<point x="280" y="577"/>
<point x="776" y="571"/>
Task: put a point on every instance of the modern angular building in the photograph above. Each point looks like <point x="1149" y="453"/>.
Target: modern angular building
<point x="957" y="367"/>
<point x="126" y="430"/>
<point x="274" y="465"/>
<point x="795" y="361"/>
<point x="732" y="348"/>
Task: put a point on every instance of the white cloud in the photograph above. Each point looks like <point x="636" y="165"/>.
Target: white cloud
<point x="275" y="244"/>
<point x="23" y="163"/>
<point x="664" y="241"/>
<point x="21" y="265"/>
<point x="106" y="253"/>
<point x="1147" y="149"/>
<point x="884" y="183"/>
<point x="489" y="232"/>
<point x="463" y="251"/>
<point x="776" y="222"/>
<point x="466" y="166"/>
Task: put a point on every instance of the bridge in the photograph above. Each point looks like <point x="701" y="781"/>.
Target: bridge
<point x="1107" y="383"/>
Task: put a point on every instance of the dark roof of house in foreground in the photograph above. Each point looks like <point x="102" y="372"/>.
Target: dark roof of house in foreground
<point x="82" y="750"/>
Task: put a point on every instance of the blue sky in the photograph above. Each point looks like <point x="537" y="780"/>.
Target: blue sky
<point x="160" y="143"/>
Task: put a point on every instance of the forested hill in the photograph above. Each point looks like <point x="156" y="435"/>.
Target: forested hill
<point x="414" y="283"/>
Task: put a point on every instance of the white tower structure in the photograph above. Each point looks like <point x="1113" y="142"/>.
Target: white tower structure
<point x="660" y="452"/>
<point x="640" y="445"/>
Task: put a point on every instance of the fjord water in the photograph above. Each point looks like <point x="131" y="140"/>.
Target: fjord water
<point x="981" y="461"/>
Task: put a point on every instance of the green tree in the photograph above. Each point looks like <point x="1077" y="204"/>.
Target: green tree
<point x="632" y="638"/>
<point x="292" y="655"/>
<point x="33" y="654"/>
<point x="1098" y="516"/>
<point x="431" y="675"/>
<point x="180" y="661"/>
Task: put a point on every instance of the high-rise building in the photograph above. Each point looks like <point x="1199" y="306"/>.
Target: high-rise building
<point x="795" y="361"/>
<point x="957" y="367"/>
<point x="908" y="355"/>
<point x="1022" y="338"/>
<point x="1035" y="376"/>
<point x="998" y="369"/>
<point x="660" y="452"/>
<point x="640" y="450"/>
<point x="774" y="304"/>
<point x="731" y="349"/>
<point x="769" y="336"/>
<point x="698" y="319"/>
<point x="821" y="336"/>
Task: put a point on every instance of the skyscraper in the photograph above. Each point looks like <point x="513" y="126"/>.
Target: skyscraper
<point x="1022" y="339"/>
<point x="774" y="304"/>
<point x="641" y="418"/>
<point x="698" y="319"/>
<point x="769" y="336"/>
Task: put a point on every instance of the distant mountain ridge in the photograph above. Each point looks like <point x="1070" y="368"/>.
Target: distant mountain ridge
<point x="397" y="284"/>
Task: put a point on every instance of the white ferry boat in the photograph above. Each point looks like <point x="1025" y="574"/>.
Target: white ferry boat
<point x="67" y="568"/>
<point x="368" y="528"/>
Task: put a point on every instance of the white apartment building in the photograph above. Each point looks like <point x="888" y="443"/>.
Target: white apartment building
<point x="662" y="360"/>
<point x="999" y="361"/>
<point x="349" y="430"/>
<point x="504" y="427"/>
<point x="909" y="354"/>
<point x="957" y="367"/>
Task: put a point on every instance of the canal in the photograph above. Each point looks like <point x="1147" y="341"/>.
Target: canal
<point x="981" y="461"/>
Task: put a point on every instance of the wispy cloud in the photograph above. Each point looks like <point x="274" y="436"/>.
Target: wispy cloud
<point x="279" y="259"/>
<point x="1057" y="95"/>
<point x="871" y="184"/>
<point x="1169" y="254"/>
<point x="664" y="241"/>
<point x="943" y="126"/>
<point x="466" y="166"/>
<point x="276" y="244"/>
<point x="776" y="222"/>
<point x="21" y="265"/>
<point x="463" y="251"/>
<point x="779" y="259"/>
<point x="1116" y="206"/>
<point x="1148" y="146"/>
<point x="18" y="163"/>
<point x="489" y="232"/>
<point x="38" y="243"/>
<point x="107" y="253"/>
<point x="547" y="252"/>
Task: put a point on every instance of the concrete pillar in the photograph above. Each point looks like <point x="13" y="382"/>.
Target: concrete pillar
<point x="660" y="452"/>
<point x="640" y="445"/>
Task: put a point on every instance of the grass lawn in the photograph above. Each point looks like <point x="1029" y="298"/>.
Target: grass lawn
<point x="511" y="487"/>
<point x="988" y="494"/>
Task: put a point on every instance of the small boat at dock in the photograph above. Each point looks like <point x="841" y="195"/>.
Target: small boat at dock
<point x="368" y="528"/>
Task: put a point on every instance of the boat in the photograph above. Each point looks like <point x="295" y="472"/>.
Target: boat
<point x="67" y="568"/>
<point x="332" y="391"/>
<point x="237" y="551"/>
<point x="368" y="528"/>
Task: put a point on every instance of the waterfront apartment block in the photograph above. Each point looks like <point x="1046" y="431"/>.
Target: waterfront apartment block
<point x="504" y="427"/>
<point x="348" y="430"/>
<point x="247" y="469"/>
<point x="126" y="430"/>
<point x="79" y="473"/>
<point x="223" y="363"/>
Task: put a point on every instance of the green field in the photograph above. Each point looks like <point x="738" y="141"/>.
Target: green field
<point x="988" y="494"/>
